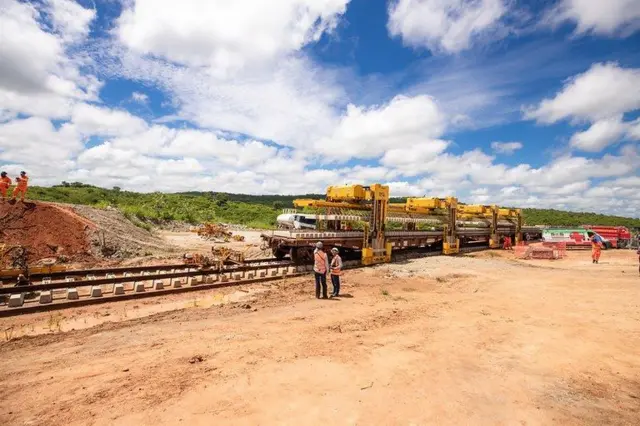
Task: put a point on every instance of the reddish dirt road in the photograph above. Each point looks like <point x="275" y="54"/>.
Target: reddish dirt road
<point x="480" y="341"/>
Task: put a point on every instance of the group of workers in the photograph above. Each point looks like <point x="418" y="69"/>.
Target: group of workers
<point x="322" y="265"/>
<point x="22" y="182"/>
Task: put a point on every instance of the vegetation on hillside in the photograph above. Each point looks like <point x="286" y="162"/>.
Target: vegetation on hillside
<point x="257" y="211"/>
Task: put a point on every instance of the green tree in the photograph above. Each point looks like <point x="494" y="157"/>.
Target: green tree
<point x="221" y="199"/>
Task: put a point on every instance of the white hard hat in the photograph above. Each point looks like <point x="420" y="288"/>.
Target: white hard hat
<point x="334" y="250"/>
<point x="319" y="244"/>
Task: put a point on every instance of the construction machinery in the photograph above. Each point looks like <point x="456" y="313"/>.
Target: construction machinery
<point x="373" y="200"/>
<point x="362" y="223"/>
<point x="213" y="231"/>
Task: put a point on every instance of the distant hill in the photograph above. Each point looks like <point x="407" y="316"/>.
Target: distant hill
<point x="258" y="211"/>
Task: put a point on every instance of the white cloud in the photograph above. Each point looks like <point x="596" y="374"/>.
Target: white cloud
<point x="633" y="131"/>
<point x="284" y="102"/>
<point x="139" y="97"/>
<point x="70" y="19"/>
<point x="405" y="123"/>
<point x="601" y="96"/>
<point x="409" y="160"/>
<point x="445" y="25"/>
<point x="225" y="35"/>
<point x="28" y="53"/>
<point x="93" y="120"/>
<point x="37" y="77"/>
<point x="602" y="17"/>
<point x="601" y="134"/>
<point x="604" y="91"/>
<point x="36" y="140"/>
<point x="37" y="146"/>
<point x="626" y="182"/>
<point x="507" y="148"/>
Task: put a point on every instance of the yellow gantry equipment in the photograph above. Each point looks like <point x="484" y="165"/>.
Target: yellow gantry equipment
<point x="373" y="199"/>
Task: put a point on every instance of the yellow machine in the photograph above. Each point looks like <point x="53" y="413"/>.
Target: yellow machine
<point x="373" y="203"/>
<point x="443" y="208"/>
<point x="375" y="200"/>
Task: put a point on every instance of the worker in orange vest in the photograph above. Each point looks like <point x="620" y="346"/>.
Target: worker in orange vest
<point x="5" y="183"/>
<point x="336" y="271"/>
<point x="320" y="269"/>
<point x="596" y="249"/>
<point x="507" y="243"/>
<point x="21" y="187"/>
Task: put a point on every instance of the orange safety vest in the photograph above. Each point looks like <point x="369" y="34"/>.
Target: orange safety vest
<point x="22" y="182"/>
<point x="5" y="182"/>
<point x="320" y="262"/>
<point x="336" y="265"/>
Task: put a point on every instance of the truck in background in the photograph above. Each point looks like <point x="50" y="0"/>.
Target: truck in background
<point x="572" y="237"/>
<point x="618" y="236"/>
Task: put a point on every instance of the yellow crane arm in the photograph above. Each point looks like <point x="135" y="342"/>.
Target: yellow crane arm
<point x="305" y="202"/>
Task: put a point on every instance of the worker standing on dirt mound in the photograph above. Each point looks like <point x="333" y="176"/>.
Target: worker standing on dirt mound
<point x="336" y="271"/>
<point x="21" y="187"/>
<point x="320" y="268"/>
<point x="5" y="183"/>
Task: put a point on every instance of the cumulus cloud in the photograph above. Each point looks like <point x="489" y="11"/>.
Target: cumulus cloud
<point x="604" y="91"/>
<point x="405" y="123"/>
<point x="601" y="134"/>
<point x="445" y="26"/>
<point x="507" y="148"/>
<point x="70" y="20"/>
<point x="36" y="145"/>
<point x="37" y="77"/>
<point x="609" y="18"/>
<point x="94" y="120"/>
<point x="601" y="96"/>
<point x="225" y="35"/>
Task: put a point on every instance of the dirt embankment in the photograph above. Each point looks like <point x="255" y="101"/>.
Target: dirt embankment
<point x="70" y="233"/>
<point x="115" y="236"/>
<point x="45" y="230"/>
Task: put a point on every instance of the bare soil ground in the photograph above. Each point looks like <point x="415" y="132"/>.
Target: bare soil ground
<point x="191" y="242"/>
<point x="478" y="340"/>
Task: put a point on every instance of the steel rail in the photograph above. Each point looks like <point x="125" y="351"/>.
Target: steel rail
<point x="122" y="269"/>
<point x="186" y="273"/>
<point x="110" y="296"/>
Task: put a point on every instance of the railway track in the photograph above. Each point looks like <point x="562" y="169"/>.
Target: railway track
<point x="63" y="290"/>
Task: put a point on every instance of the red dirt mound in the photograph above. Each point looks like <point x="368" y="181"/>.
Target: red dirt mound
<point x="45" y="230"/>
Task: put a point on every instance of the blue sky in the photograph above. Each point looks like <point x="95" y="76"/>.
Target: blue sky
<point x="521" y="103"/>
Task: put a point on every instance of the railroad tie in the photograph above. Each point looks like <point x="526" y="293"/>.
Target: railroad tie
<point x="96" y="291"/>
<point x="72" y="293"/>
<point x="45" y="297"/>
<point x="16" y="300"/>
<point x="138" y="287"/>
<point x="118" y="289"/>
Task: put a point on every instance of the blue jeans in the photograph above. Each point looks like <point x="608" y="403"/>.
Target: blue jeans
<point x="321" y="280"/>
<point x="335" y="280"/>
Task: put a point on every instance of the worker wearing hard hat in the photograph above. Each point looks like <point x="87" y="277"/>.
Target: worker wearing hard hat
<point x="21" y="187"/>
<point x="5" y="183"/>
<point x="336" y="271"/>
<point x="320" y="268"/>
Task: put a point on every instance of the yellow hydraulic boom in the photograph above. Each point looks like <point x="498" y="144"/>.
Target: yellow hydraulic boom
<point x="373" y="198"/>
